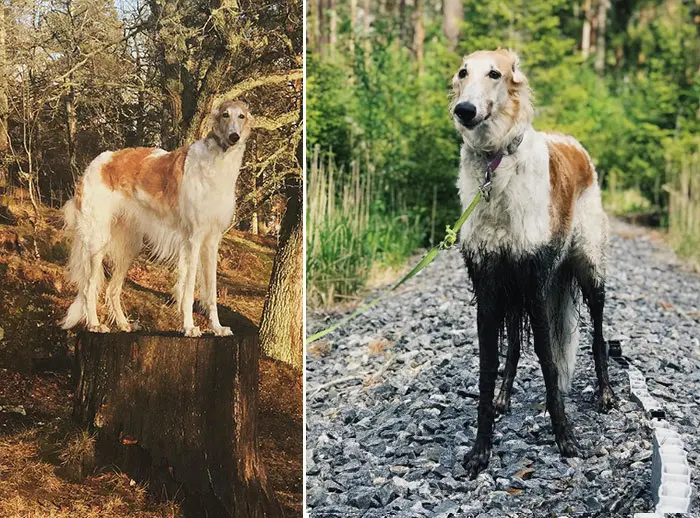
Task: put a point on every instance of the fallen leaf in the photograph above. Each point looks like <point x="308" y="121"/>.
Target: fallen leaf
<point x="129" y="441"/>
<point x="665" y="305"/>
<point x="513" y="491"/>
<point x="378" y="346"/>
<point x="320" y="348"/>
<point x="525" y="474"/>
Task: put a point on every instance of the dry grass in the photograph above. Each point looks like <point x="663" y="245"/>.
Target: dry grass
<point x="79" y="448"/>
<point x="32" y="487"/>
<point x="684" y="202"/>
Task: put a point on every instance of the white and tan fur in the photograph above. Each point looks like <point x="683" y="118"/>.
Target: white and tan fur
<point x="548" y="189"/>
<point x="178" y="203"/>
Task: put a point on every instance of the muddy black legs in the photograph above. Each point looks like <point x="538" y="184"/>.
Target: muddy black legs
<point x="595" y="298"/>
<point x="555" y="403"/>
<point x="514" y="330"/>
<point x="489" y="321"/>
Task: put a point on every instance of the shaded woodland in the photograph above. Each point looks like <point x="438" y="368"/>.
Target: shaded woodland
<point x="81" y="77"/>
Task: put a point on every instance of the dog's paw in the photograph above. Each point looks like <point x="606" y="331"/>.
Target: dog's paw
<point x="568" y="445"/>
<point x="222" y="331"/>
<point x="193" y="331"/>
<point x="99" y="328"/>
<point x="129" y="327"/>
<point x="502" y="403"/>
<point x="606" y="399"/>
<point x="476" y="461"/>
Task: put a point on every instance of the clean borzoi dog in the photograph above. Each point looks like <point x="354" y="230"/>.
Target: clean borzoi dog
<point x="179" y="202"/>
<point x="534" y="242"/>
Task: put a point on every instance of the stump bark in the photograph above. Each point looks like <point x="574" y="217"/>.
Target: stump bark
<point x="179" y="413"/>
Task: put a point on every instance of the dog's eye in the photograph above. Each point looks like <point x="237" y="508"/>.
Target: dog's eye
<point x="225" y="115"/>
<point x="462" y="73"/>
<point x="495" y="74"/>
<point x="241" y="116"/>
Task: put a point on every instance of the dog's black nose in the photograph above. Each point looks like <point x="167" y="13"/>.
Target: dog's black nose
<point x="465" y="112"/>
<point x="233" y="138"/>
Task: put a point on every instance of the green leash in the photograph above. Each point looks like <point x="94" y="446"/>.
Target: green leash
<point x="446" y="243"/>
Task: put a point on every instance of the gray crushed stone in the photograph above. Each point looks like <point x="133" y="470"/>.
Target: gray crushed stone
<point x="391" y="408"/>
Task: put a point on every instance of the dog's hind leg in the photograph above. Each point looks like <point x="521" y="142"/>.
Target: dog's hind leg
<point x="124" y="246"/>
<point x="539" y="319"/>
<point x="588" y="260"/>
<point x="92" y="291"/>
<point x="514" y="327"/>
<point x="593" y="288"/>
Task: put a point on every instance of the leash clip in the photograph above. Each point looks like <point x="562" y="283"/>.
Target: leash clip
<point x="486" y="186"/>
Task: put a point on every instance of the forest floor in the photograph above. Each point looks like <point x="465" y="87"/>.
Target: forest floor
<point x="36" y="433"/>
<point x="391" y="400"/>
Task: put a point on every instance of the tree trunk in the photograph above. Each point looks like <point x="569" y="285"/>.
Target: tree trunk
<point x="315" y="33"/>
<point x="281" y="328"/>
<point x="333" y="28"/>
<point x="170" y="61"/>
<point x="418" y="34"/>
<point x="453" y="14"/>
<point x="180" y="413"/>
<point x="4" y="106"/>
<point x="586" y="32"/>
<point x="71" y="129"/>
<point x="600" y="37"/>
<point x="353" y="21"/>
<point x="366" y="25"/>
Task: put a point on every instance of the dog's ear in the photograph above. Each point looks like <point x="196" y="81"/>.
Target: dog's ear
<point x="518" y="76"/>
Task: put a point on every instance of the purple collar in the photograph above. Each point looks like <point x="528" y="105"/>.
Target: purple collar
<point x="493" y="161"/>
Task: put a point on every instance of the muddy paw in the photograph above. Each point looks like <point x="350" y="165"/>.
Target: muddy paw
<point x="476" y="461"/>
<point x="193" y="331"/>
<point x="502" y="403"/>
<point x="568" y="445"/>
<point x="606" y="399"/>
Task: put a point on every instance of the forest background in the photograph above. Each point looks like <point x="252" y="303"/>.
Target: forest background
<point x="622" y="77"/>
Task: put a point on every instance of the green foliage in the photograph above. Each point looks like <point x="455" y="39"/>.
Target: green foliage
<point x="370" y="100"/>
<point x="349" y="231"/>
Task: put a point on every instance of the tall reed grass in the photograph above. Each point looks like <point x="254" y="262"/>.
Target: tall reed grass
<point x="354" y="223"/>
<point x="683" y="167"/>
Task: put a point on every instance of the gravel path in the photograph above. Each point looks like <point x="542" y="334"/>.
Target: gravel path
<point x="391" y="408"/>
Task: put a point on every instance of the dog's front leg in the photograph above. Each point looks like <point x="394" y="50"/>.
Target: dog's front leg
<point x="563" y="434"/>
<point x="189" y="259"/>
<point x="489" y="320"/>
<point x="210" y="251"/>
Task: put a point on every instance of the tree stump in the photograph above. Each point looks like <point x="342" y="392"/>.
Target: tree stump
<point x="180" y="413"/>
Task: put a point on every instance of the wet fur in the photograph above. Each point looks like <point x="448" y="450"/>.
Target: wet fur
<point x="532" y="250"/>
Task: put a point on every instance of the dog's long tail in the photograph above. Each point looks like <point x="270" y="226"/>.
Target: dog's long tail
<point x="79" y="265"/>
<point x="564" y="321"/>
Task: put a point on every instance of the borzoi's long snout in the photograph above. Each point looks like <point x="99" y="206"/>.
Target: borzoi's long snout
<point x="470" y="114"/>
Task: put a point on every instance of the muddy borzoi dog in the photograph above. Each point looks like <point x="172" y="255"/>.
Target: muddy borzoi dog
<point x="534" y="242"/>
<point x="177" y="202"/>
